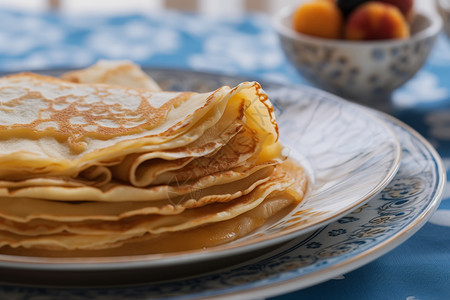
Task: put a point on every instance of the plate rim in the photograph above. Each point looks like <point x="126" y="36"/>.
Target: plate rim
<point x="365" y="257"/>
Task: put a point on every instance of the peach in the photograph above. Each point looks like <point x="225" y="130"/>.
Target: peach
<point x="376" y="21"/>
<point x="320" y="18"/>
<point x="405" y="6"/>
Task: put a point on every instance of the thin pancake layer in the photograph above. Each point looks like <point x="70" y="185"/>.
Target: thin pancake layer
<point x="120" y="73"/>
<point x="97" y="235"/>
<point x="54" y="128"/>
<point x="164" y="201"/>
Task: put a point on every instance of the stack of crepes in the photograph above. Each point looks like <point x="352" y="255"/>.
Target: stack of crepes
<point x="102" y="159"/>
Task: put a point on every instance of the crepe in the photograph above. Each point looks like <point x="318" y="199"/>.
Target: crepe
<point x="120" y="73"/>
<point x="102" y="158"/>
<point x="177" y="199"/>
<point x="108" y="123"/>
<point x="286" y="182"/>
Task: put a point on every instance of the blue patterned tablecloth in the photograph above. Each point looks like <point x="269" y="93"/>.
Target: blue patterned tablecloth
<point x="417" y="269"/>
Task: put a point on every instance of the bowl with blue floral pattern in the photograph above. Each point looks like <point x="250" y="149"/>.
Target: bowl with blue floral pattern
<point x="364" y="71"/>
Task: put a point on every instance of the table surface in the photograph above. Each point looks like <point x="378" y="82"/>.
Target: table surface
<point x="417" y="269"/>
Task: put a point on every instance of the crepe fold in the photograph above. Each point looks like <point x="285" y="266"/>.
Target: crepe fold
<point x="103" y="158"/>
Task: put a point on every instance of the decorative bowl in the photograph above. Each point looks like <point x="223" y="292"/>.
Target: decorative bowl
<point x="363" y="71"/>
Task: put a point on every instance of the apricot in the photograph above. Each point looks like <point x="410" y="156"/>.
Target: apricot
<point x="320" y="18"/>
<point x="376" y="21"/>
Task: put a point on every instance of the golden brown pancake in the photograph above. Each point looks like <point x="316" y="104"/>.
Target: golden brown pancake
<point x="120" y="73"/>
<point x="285" y="183"/>
<point x="102" y="159"/>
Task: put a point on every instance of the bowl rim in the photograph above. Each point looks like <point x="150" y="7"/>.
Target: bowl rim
<point x="432" y="30"/>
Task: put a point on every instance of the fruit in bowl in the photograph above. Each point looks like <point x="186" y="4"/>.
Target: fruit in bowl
<point x="363" y="69"/>
<point x="376" y="21"/>
<point x="318" y="18"/>
<point x="405" y="6"/>
<point x="354" y="19"/>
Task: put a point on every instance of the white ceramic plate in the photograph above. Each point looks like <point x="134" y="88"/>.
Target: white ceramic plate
<point x="353" y="240"/>
<point x="349" y="156"/>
